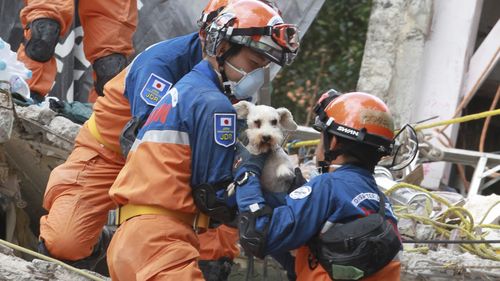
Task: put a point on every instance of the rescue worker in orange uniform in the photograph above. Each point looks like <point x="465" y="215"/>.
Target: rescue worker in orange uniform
<point x="343" y="226"/>
<point x="180" y="163"/>
<point x="108" y="28"/>
<point x="77" y="192"/>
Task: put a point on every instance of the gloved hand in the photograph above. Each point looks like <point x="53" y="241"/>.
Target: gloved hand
<point x="298" y="181"/>
<point x="244" y="161"/>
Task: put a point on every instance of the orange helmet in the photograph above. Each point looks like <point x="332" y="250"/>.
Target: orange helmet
<point x="255" y="25"/>
<point x="213" y="8"/>
<point x="360" y="117"/>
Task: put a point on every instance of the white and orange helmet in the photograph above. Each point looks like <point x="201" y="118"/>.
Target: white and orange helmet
<point x="256" y="25"/>
<point x="213" y="8"/>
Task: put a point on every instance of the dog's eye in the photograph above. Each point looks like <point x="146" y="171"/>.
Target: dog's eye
<point x="257" y="123"/>
<point x="274" y="122"/>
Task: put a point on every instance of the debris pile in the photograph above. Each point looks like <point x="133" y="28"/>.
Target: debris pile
<point x="14" y="268"/>
<point x="446" y="264"/>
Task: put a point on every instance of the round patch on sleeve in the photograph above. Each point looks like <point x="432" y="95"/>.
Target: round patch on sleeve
<point x="301" y="192"/>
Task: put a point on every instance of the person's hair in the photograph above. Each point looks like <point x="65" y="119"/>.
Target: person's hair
<point x="359" y="154"/>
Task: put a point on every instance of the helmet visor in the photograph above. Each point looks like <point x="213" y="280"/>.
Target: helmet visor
<point x="404" y="150"/>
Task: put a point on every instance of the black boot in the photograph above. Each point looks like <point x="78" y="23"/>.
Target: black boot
<point x="44" y="36"/>
<point x="106" y="68"/>
<point x="37" y="98"/>
<point x="216" y="270"/>
<point x="95" y="257"/>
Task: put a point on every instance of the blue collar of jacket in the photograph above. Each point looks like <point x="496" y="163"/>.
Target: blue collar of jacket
<point x="206" y="69"/>
<point x="355" y="168"/>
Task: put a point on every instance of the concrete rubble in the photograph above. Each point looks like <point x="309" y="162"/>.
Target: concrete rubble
<point x="56" y="130"/>
<point x="15" y="268"/>
<point x="447" y="264"/>
<point x="38" y="140"/>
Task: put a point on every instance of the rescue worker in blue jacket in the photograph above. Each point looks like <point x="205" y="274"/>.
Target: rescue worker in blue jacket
<point x="184" y="152"/>
<point x="357" y="130"/>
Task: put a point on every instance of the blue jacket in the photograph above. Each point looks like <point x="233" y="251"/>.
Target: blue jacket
<point x="347" y="193"/>
<point x="164" y="63"/>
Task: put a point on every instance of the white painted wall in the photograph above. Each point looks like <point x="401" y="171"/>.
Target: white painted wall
<point x="446" y="57"/>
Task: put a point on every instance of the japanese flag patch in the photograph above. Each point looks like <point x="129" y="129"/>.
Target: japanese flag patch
<point x="154" y="89"/>
<point x="225" y="128"/>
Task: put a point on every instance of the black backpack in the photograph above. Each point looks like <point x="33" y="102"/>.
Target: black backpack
<point x="357" y="249"/>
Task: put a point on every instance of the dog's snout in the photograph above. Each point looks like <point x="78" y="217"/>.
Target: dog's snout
<point x="266" y="138"/>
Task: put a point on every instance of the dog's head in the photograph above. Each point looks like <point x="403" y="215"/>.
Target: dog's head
<point x="266" y="125"/>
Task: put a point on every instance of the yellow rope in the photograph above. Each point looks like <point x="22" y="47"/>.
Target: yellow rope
<point x="459" y="119"/>
<point x="466" y="226"/>
<point x="303" y="144"/>
<point x="418" y="128"/>
<point x="43" y="257"/>
<point x="489" y="210"/>
<point x="423" y="250"/>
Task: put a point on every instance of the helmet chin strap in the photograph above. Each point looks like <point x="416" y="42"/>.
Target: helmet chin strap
<point x="328" y="154"/>
<point x="233" y="49"/>
<point x="332" y="154"/>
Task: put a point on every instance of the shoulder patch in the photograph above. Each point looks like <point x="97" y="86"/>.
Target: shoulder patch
<point x="154" y="89"/>
<point x="225" y="128"/>
<point x="301" y="192"/>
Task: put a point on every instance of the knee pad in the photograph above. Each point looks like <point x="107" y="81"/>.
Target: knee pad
<point x="44" y="36"/>
<point x="106" y="68"/>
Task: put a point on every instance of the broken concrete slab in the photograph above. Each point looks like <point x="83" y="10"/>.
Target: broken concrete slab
<point x="15" y="268"/>
<point x="445" y="265"/>
<point x="65" y="130"/>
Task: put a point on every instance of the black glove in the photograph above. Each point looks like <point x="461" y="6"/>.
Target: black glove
<point x="298" y="181"/>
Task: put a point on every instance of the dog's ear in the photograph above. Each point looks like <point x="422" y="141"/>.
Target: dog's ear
<point x="286" y="119"/>
<point x="242" y="109"/>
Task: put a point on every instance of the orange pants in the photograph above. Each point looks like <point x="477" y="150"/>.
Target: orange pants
<point x="391" y="272"/>
<point x="108" y="28"/>
<point x="219" y="242"/>
<point x="77" y="198"/>
<point x="154" y="247"/>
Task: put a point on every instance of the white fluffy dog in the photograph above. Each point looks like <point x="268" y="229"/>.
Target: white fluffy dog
<point x="265" y="132"/>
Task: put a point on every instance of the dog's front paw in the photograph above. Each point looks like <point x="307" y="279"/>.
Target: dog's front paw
<point x="284" y="172"/>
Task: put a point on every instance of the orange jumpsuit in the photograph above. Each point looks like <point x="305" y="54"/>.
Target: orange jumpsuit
<point x="77" y="192"/>
<point x="219" y="242"/>
<point x="390" y="272"/>
<point x="108" y="28"/>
